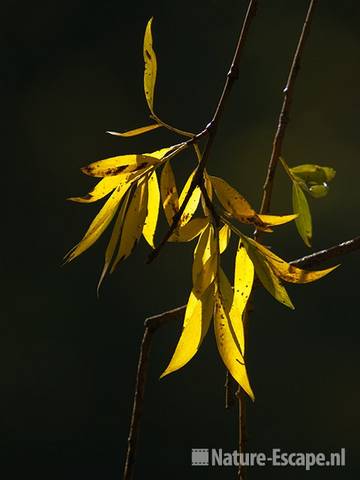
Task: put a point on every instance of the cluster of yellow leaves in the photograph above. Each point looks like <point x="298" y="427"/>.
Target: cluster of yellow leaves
<point x="314" y="180"/>
<point x="134" y="194"/>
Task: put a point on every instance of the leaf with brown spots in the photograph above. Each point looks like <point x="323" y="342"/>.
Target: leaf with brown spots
<point x="152" y="210"/>
<point x="169" y="194"/>
<point x="150" y="67"/>
<point x="193" y="202"/>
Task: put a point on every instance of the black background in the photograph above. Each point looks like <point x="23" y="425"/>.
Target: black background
<point x="70" y="71"/>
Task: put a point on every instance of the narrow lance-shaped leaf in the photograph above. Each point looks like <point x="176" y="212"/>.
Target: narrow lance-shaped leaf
<point x="199" y="311"/>
<point x="101" y="189"/>
<point x="266" y="275"/>
<point x="114" y="239"/>
<point x="152" y="209"/>
<point x="286" y="271"/>
<point x="136" y="131"/>
<point x="234" y="203"/>
<point x="169" y="194"/>
<point x="150" y="67"/>
<point x="126" y="164"/>
<point x="133" y="223"/>
<point x="189" y="231"/>
<point x="303" y="220"/>
<point x="99" y="224"/>
<point x="243" y="282"/>
<point x="205" y="261"/>
<point x="193" y="202"/>
<point x="227" y="341"/>
<point x="224" y="238"/>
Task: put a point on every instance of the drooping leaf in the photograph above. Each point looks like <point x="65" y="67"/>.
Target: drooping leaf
<point x="125" y="164"/>
<point x="136" y="131"/>
<point x="205" y="261"/>
<point x="152" y="209"/>
<point x="133" y="222"/>
<point x="114" y="239"/>
<point x="234" y="203"/>
<point x="199" y="311"/>
<point x="224" y="237"/>
<point x="243" y="282"/>
<point x="286" y="271"/>
<point x="101" y="189"/>
<point x="227" y="342"/>
<point x="100" y="223"/>
<point x="303" y="220"/>
<point x="273" y="220"/>
<point x="266" y="274"/>
<point x="150" y="67"/>
<point x="189" y="231"/>
<point x="169" y="194"/>
<point x="193" y="202"/>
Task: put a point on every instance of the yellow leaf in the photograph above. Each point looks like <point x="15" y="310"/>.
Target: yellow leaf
<point x="150" y="67"/>
<point x="243" y="282"/>
<point x="224" y="238"/>
<point x="301" y="207"/>
<point x="234" y="203"/>
<point x="136" y="131"/>
<point x="133" y="223"/>
<point x="227" y="341"/>
<point x="101" y="189"/>
<point x="189" y="231"/>
<point x="125" y="164"/>
<point x="99" y="224"/>
<point x="266" y="274"/>
<point x="286" y="271"/>
<point x="169" y="194"/>
<point x="152" y="210"/>
<point x="114" y="239"/>
<point x="196" y="324"/>
<point x="193" y="202"/>
<point x="205" y="261"/>
<point x="273" y="220"/>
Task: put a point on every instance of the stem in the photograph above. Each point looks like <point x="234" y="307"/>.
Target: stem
<point x="151" y="325"/>
<point x="211" y="128"/>
<point x="284" y="113"/>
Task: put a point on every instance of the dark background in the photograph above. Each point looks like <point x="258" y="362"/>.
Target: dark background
<point x="70" y="71"/>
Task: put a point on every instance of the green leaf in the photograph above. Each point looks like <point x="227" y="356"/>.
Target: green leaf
<point x="303" y="220"/>
<point x="313" y="173"/>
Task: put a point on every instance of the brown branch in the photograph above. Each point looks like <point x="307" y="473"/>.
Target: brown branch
<point x="284" y="113"/>
<point x="151" y="325"/>
<point x="211" y="129"/>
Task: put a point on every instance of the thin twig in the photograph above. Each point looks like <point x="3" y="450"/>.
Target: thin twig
<point x="151" y="325"/>
<point x="211" y="129"/>
<point x="284" y="113"/>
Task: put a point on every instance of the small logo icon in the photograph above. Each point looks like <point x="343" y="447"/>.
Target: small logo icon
<point x="200" y="457"/>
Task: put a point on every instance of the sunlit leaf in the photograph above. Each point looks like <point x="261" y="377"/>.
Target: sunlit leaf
<point x="234" y="203"/>
<point x="266" y="274"/>
<point x="101" y="189"/>
<point x="136" y="131"/>
<point x="286" y="271"/>
<point x="169" y="194"/>
<point x="196" y="324"/>
<point x="224" y="237"/>
<point x="273" y="220"/>
<point x="193" y="202"/>
<point x="189" y="231"/>
<point x="150" y="67"/>
<point x="133" y="223"/>
<point x="301" y="207"/>
<point x="152" y="209"/>
<point x="125" y="164"/>
<point x="100" y="222"/>
<point x="243" y="282"/>
<point x="205" y="261"/>
<point x="226" y="339"/>
<point x="114" y="239"/>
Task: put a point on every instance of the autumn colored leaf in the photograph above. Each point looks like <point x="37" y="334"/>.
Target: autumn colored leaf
<point x="136" y="131"/>
<point x="190" y="230"/>
<point x="224" y="237"/>
<point x="150" y="67"/>
<point x="226" y="337"/>
<point x="198" y="314"/>
<point x="169" y="194"/>
<point x="152" y="209"/>
<point x="234" y="203"/>
<point x="205" y="261"/>
<point x="303" y="220"/>
<point x="193" y="202"/>
<point x="101" y="189"/>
